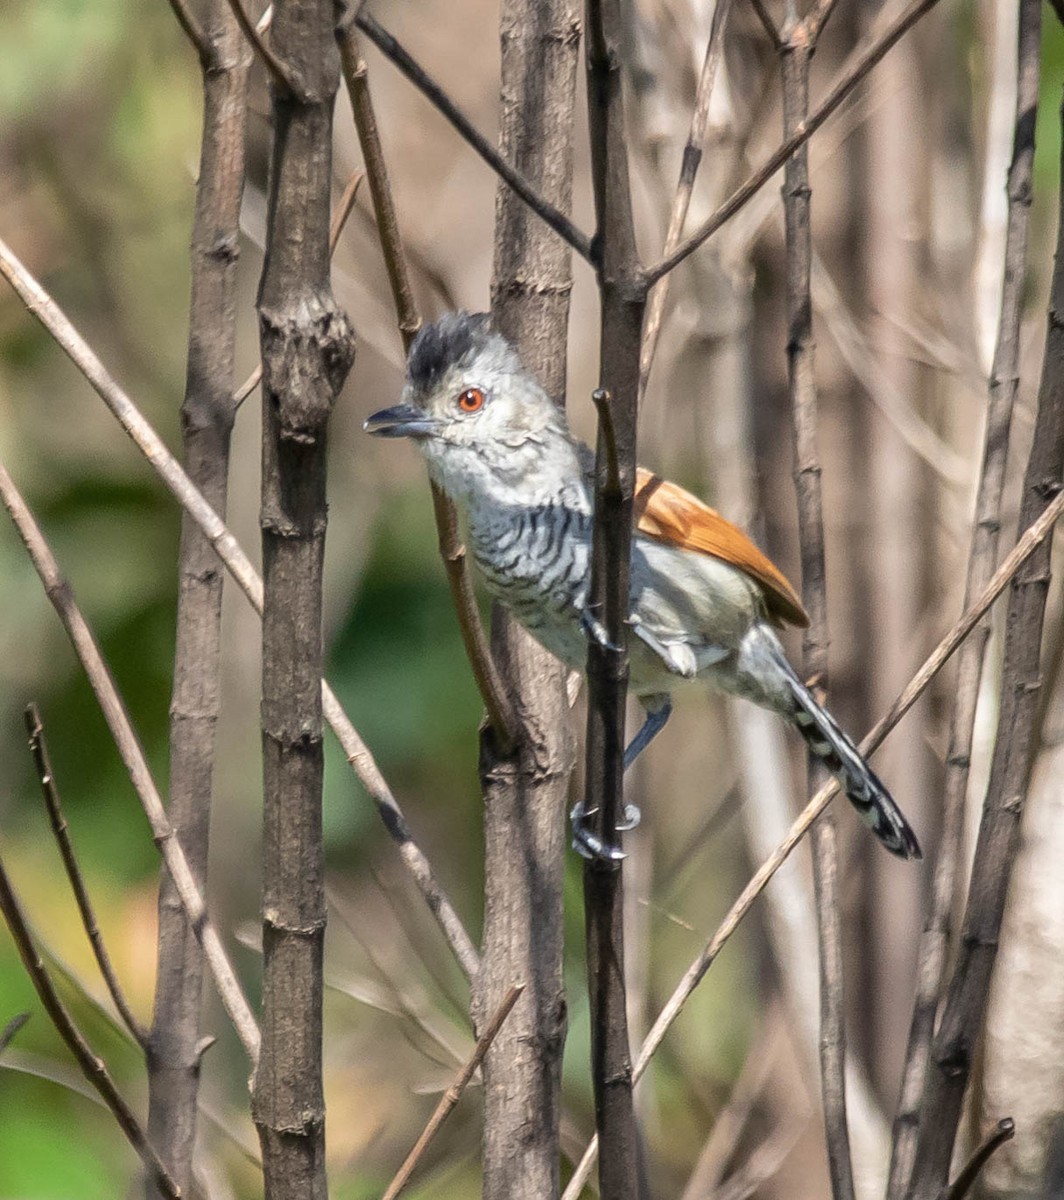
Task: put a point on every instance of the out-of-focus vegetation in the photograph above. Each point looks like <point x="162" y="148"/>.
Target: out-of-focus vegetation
<point x="99" y="129"/>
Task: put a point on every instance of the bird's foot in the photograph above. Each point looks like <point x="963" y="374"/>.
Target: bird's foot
<point x="596" y="632"/>
<point x="588" y="844"/>
<point x="632" y="817"/>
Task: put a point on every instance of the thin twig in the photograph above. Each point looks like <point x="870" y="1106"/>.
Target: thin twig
<point x="344" y="207"/>
<point x="1034" y="536"/>
<point x="553" y="216"/>
<point x="91" y="1064"/>
<point x="861" y="67"/>
<point x="1003" y="1132"/>
<point x="77" y="883"/>
<point x="452" y="1095"/>
<point x="194" y="31"/>
<point x="11" y="1030"/>
<point x="1004" y="382"/>
<point x="279" y="71"/>
<point x="767" y="23"/>
<point x="239" y="565"/>
<point x="128" y="746"/>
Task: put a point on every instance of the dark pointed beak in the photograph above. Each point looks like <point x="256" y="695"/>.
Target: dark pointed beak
<point x="402" y="421"/>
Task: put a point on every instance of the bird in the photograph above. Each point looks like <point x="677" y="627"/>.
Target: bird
<point x="705" y="603"/>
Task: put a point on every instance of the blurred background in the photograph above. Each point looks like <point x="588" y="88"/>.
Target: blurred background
<point x="99" y="128"/>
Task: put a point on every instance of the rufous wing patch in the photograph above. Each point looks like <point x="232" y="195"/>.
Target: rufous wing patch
<point x="669" y="514"/>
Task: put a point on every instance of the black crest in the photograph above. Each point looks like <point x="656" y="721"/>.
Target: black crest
<point x="442" y="344"/>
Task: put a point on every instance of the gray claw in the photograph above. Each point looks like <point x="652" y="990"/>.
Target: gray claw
<point x="596" y="631"/>
<point x="632" y="817"/>
<point x="589" y="845"/>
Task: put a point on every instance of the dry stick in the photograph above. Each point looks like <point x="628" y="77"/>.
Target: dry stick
<point x="1032" y="539"/>
<point x="91" y="1065"/>
<point x="43" y="765"/>
<point x="489" y="684"/>
<point x="623" y="299"/>
<point x="681" y="202"/>
<point x="62" y="598"/>
<point x="953" y="1046"/>
<point x="525" y="789"/>
<point x="208" y="410"/>
<point x="861" y="67"/>
<point x="798" y="41"/>
<point x="344" y="207"/>
<point x="194" y="31"/>
<point x="282" y="75"/>
<point x="239" y="566"/>
<point x="452" y="1095"/>
<point x="307" y="346"/>
<point x="553" y="216"/>
<point x="1003" y="1132"/>
<point x="1004" y="382"/>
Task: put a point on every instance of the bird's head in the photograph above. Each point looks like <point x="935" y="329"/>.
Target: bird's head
<point x="476" y="414"/>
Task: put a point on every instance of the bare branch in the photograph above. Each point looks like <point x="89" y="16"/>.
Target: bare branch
<point x="70" y="863"/>
<point x="281" y="74"/>
<point x="11" y="1030"/>
<point x="194" y="31"/>
<point x="1003" y="1132"/>
<point x="91" y="1065"/>
<point x="553" y="216"/>
<point x="239" y="566"/>
<point x="452" y="1095"/>
<point x="878" y="48"/>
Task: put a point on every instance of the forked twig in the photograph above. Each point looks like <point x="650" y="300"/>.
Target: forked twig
<point x="279" y="71"/>
<point x="50" y="792"/>
<point x="193" y="30"/>
<point x="91" y="1064"/>
<point x="452" y="1095"/>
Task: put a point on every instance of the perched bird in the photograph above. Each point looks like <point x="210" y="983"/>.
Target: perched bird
<point x="704" y="599"/>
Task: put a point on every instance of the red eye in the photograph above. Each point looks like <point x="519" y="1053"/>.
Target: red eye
<point x="471" y="400"/>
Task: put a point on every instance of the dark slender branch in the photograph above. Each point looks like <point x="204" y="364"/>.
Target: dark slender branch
<point x="92" y="1066"/>
<point x="796" y="51"/>
<point x="452" y="1095"/>
<point x="953" y="1046"/>
<point x="50" y="792"/>
<point x="239" y="566"/>
<point x="194" y="31"/>
<point x="280" y="73"/>
<point x="1004" y="383"/>
<point x="11" y="1030"/>
<point x="623" y="299"/>
<point x="767" y="23"/>
<point x="62" y="598"/>
<point x="554" y="217"/>
<point x="739" y="198"/>
<point x="496" y="701"/>
<point x="1003" y="1132"/>
<point x="208" y="410"/>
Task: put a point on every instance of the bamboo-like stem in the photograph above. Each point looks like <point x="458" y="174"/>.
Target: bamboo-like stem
<point x="1004" y="381"/>
<point x="623" y="300"/>
<point x="1033" y="538"/>
<point x="228" y="549"/>
<point x="452" y="1095"/>
<point x="452" y="552"/>
<point x="62" y="598"/>
<point x="953" y="1046"/>
<point x="60" y="829"/>
<point x="208" y="410"/>
<point x="92" y="1066"/>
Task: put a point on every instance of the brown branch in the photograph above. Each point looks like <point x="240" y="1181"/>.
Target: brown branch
<point x="279" y="72"/>
<point x="953" y="1046"/>
<point x="344" y="208"/>
<point x="1034" y="537"/>
<point x="194" y="31"/>
<point x="623" y="299"/>
<point x="62" y="598"/>
<point x="207" y="413"/>
<point x="878" y="48"/>
<point x="92" y="1066"/>
<point x="239" y="566"/>
<point x="543" y="208"/>
<point x="496" y="700"/>
<point x="50" y="792"/>
<point x="1003" y="1132"/>
<point x="307" y="347"/>
<point x="1004" y="382"/>
<point x="452" y="1095"/>
<point x="11" y="1030"/>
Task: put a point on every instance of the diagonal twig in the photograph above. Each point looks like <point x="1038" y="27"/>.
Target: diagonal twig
<point x="42" y="762"/>
<point x="1033" y="537"/>
<point x="11" y="1030"/>
<point x="280" y="72"/>
<point x="452" y="1095"/>
<point x="91" y="1064"/>
<point x="193" y="30"/>
<point x="239" y="565"/>
<point x="1004" y="1131"/>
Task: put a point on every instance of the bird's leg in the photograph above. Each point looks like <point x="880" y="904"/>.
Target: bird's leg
<point x="595" y="631"/>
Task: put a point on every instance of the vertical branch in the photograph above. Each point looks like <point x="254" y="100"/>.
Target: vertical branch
<point x="1004" y="380"/>
<point x="526" y="788"/>
<point x="797" y="44"/>
<point x="623" y="296"/>
<point x="307" y="350"/>
<point x="207" y="414"/>
<point x="965" y="1002"/>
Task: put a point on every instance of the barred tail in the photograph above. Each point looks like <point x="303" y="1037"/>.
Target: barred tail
<point x="842" y="758"/>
